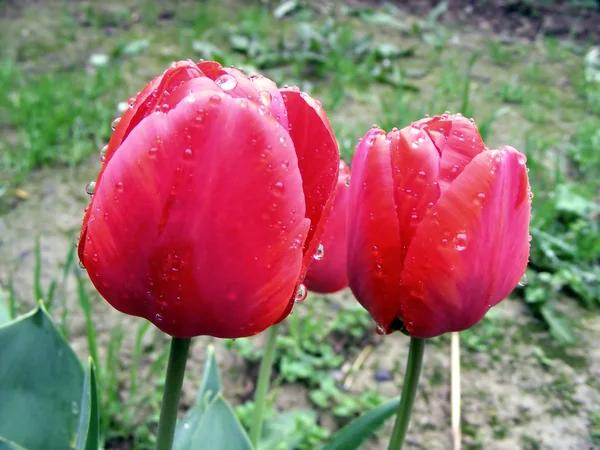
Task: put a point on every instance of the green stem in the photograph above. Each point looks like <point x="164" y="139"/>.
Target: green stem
<point x="171" y="393"/>
<point x="409" y="392"/>
<point x="262" y="385"/>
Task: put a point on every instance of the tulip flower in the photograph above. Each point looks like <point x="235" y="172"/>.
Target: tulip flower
<point x="328" y="272"/>
<point x="211" y="202"/>
<point x="439" y="229"/>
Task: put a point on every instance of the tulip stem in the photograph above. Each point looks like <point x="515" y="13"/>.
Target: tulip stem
<point x="170" y="401"/>
<point x="409" y="392"/>
<point x="262" y="385"/>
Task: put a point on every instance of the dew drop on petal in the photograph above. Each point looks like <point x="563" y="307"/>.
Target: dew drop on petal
<point x="90" y="187"/>
<point x="103" y="152"/>
<point x="215" y="100"/>
<point x="158" y="317"/>
<point x="523" y="281"/>
<point x="226" y="82"/>
<point x="114" y="123"/>
<point x="265" y="97"/>
<point x="380" y="330"/>
<point x="301" y="294"/>
<point x="187" y="154"/>
<point x="119" y="186"/>
<point x="460" y="241"/>
<point x="319" y="253"/>
<point x="278" y="188"/>
<point x="75" y="408"/>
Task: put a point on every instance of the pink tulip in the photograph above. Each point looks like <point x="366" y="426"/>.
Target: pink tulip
<point x="439" y="229"/>
<point x="328" y="272"/>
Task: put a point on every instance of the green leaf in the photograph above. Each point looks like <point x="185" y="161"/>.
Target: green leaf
<point x="41" y="380"/>
<point x="354" y="434"/>
<point x="8" y="445"/>
<point x="221" y="428"/>
<point x="4" y="311"/>
<point x="210" y="387"/>
<point x="284" y="427"/>
<point x="88" y="430"/>
<point x="560" y="329"/>
<point x="135" y="47"/>
<point x="285" y="8"/>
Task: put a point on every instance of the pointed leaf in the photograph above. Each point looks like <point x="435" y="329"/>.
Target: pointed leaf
<point x="41" y="380"/>
<point x="210" y="387"/>
<point x="8" y="445"/>
<point x="354" y="434"/>
<point x="88" y="429"/>
<point x="221" y="428"/>
<point x="211" y="379"/>
<point x="4" y="310"/>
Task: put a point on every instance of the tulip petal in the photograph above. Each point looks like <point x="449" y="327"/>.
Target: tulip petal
<point x="318" y="160"/>
<point x="204" y="235"/>
<point x="415" y="168"/>
<point x="255" y="88"/>
<point x="329" y="273"/>
<point x="458" y="140"/>
<point x="374" y="263"/>
<point x="470" y="252"/>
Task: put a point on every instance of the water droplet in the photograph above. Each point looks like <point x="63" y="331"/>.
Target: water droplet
<point x="265" y="97"/>
<point x="348" y="181"/>
<point x="81" y="265"/>
<point x="103" y="151"/>
<point x="226" y="82"/>
<point x="380" y="330"/>
<point x="301" y="294"/>
<point x="285" y="164"/>
<point x="414" y="219"/>
<point x="119" y="186"/>
<point x="421" y="174"/>
<point x="319" y="253"/>
<point x="187" y="154"/>
<point x="75" y="408"/>
<point x="191" y="97"/>
<point x="481" y="196"/>
<point x="460" y="241"/>
<point x="114" y="123"/>
<point x="90" y="187"/>
<point x="378" y="270"/>
<point x="521" y="158"/>
<point x="159" y="317"/>
<point x="152" y="152"/>
<point x="131" y="102"/>
<point x="414" y="144"/>
<point x="523" y="281"/>
<point x="278" y="188"/>
<point x="215" y="100"/>
<point x="95" y="257"/>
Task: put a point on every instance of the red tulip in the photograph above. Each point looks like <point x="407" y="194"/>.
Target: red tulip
<point x="439" y="229"/>
<point x="211" y="202"/>
<point x="328" y="273"/>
